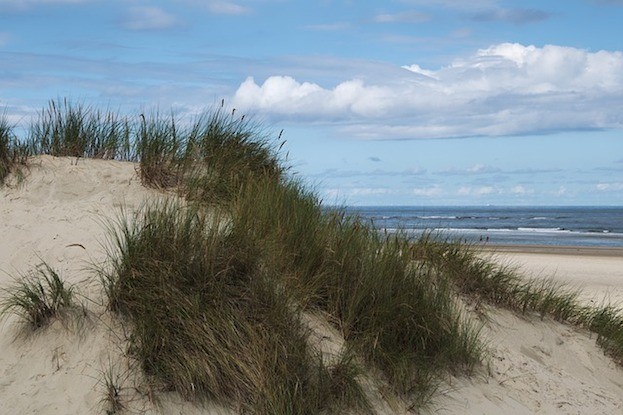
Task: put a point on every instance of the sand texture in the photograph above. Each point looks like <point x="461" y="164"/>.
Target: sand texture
<point x="58" y="215"/>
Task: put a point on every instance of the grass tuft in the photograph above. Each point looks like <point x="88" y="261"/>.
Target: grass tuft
<point x="39" y="297"/>
<point x="502" y="286"/>
<point x="65" y="129"/>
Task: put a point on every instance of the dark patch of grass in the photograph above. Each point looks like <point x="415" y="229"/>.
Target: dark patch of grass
<point x="6" y="156"/>
<point x="13" y="153"/>
<point x="39" y="297"/>
<point x="225" y="151"/>
<point x="160" y="147"/>
<point x="402" y="319"/>
<point x="209" y="320"/>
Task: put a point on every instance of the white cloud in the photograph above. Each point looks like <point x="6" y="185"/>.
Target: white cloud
<point x="417" y="69"/>
<point x="149" y="18"/>
<point x="477" y="191"/>
<point x="226" y="7"/>
<point x="520" y="190"/>
<point x="473" y="170"/>
<point x="432" y="191"/>
<point x="608" y="187"/>
<point x="504" y="89"/>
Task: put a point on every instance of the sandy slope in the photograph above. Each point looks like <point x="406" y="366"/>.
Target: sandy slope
<point x="56" y="215"/>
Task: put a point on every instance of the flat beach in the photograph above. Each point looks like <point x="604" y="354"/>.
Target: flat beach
<point x="58" y="215"/>
<point x="596" y="271"/>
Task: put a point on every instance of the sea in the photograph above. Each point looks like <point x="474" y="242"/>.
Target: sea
<point x="560" y="226"/>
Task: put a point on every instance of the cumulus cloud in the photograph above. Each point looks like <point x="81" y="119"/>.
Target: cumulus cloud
<point x="504" y="89"/>
<point x="149" y="18"/>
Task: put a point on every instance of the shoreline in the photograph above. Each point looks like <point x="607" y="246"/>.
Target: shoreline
<point x="599" y="251"/>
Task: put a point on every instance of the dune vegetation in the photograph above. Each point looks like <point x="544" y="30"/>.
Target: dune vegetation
<point x="216" y="288"/>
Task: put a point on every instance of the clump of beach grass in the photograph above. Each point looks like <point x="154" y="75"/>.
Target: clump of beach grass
<point x="225" y="151"/>
<point x="400" y="317"/>
<point x="13" y="153"/>
<point x="111" y="382"/>
<point x="38" y="297"/>
<point x="160" y="147"/>
<point x="6" y="141"/>
<point x="209" y="320"/>
<point x="502" y="286"/>
<point x="77" y="130"/>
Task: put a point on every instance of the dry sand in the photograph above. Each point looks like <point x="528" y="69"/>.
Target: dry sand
<point x="597" y="272"/>
<point x="56" y="215"/>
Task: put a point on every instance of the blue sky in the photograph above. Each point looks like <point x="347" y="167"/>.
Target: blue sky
<point x="407" y="102"/>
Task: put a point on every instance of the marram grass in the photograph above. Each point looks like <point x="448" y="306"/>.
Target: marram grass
<point x="39" y="297"/>
<point x="209" y="321"/>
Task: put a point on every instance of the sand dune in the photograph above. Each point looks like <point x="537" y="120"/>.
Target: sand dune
<point x="57" y="215"/>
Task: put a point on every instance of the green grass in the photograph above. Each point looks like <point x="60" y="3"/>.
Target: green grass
<point x="502" y="286"/>
<point x="210" y="321"/>
<point x="38" y="297"/>
<point x="13" y="153"/>
<point x="6" y="157"/>
<point x="76" y="130"/>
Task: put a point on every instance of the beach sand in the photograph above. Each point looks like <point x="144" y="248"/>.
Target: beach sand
<point x="58" y="215"/>
<point x="540" y="366"/>
<point x="596" y="272"/>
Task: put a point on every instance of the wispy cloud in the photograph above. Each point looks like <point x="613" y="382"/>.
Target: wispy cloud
<point x="4" y="38"/>
<point x="329" y="27"/>
<point x="225" y="7"/>
<point x="609" y="2"/>
<point x="403" y="17"/>
<point x="335" y="173"/>
<point x="501" y="90"/>
<point x="23" y="5"/>
<point x="610" y="187"/>
<point x="516" y="16"/>
<point x="431" y="191"/>
<point x="149" y="18"/>
<point x="476" y="169"/>
<point x="453" y="4"/>
<point x="478" y="191"/>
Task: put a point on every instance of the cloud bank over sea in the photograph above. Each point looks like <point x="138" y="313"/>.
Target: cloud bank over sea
<point x="505" y="89"/>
